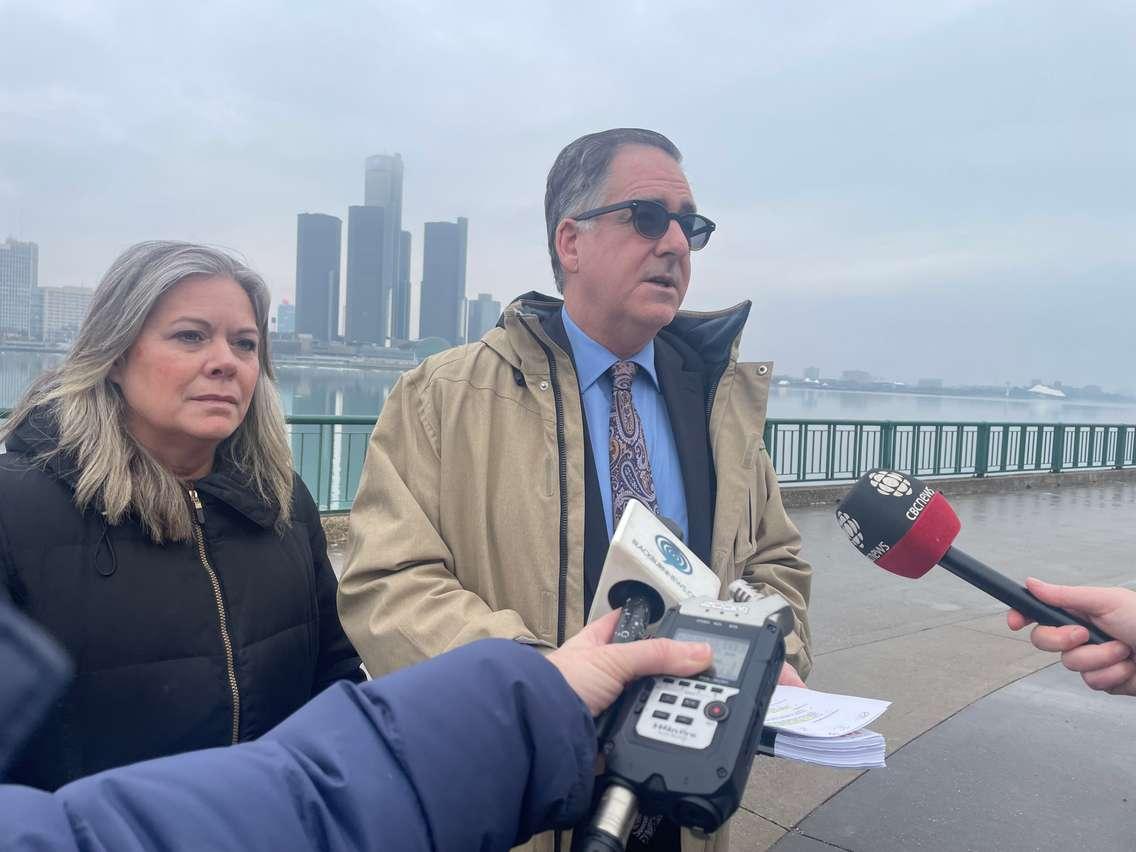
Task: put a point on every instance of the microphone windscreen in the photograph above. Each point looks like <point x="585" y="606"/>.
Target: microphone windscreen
<point x="898" y="522"/>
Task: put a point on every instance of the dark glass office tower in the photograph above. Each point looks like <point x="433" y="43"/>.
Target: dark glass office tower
<point x="318" y="238"/>
<point x="366" y="314"/>
<point x="443" y="280"/>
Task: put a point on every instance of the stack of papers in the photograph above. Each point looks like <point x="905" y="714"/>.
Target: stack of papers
<point x="819" y="727"/>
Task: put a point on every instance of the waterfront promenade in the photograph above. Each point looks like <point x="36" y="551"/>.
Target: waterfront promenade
<point x="991" y="746"/>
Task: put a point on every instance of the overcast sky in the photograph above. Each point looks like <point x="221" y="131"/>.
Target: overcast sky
<point x="936" y="188"/>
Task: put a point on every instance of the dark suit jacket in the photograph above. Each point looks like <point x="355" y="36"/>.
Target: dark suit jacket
<point x="685" y="385"/>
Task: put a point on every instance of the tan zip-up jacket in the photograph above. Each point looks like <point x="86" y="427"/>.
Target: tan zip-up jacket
<point x="469" y="519"/>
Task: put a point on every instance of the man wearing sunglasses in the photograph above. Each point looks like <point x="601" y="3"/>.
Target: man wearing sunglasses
<point x="498" y="470"/>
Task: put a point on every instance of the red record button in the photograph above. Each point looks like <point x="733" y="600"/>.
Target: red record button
<point x="716" y="710"/>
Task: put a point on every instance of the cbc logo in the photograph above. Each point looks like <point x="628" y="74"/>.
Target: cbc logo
<point x="891" y="484"/>
<point x="851" y="529"/>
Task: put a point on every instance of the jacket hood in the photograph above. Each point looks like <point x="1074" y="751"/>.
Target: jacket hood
<point x="710" y="334"/>
<point x="38" y="435"/>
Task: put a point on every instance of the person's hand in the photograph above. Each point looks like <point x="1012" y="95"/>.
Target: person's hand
<point x="1108" y="667"/>
<point x="789" y="677"/>
<point x="598" y="671"/>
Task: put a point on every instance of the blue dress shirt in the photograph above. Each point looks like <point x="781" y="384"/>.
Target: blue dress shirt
<point x="592" y="364"/>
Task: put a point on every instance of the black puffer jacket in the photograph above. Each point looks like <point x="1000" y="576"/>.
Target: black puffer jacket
<point x="174" y="645"/>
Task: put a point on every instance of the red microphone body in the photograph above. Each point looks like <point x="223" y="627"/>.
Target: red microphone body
<point x="907" y="527"/>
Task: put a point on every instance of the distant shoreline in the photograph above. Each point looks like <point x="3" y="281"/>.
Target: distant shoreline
<point x="363" y="364"/>
<point x="344" y="366"/>
<point x="1027" y="400"/>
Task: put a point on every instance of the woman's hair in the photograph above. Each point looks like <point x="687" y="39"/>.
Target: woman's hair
<point x="116" y="475"/>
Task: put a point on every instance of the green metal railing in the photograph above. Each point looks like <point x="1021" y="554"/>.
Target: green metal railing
<point x="329" y="451"/>
<point x="835" y="451"/>
<point x="329" y="454"/>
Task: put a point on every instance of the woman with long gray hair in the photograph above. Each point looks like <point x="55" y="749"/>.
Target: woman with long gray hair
<point x="151" y="520"/>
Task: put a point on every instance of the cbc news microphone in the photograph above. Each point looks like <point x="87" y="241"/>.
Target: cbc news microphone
<point x="906" y="527"/>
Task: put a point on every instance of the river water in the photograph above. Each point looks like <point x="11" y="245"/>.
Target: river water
<point x="310" y="390"/>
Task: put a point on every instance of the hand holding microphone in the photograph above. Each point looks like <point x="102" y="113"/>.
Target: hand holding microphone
<point x="1109" y="667"/>
<point x="906" y="527"/>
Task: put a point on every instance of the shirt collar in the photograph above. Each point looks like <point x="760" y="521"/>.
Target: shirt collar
<point x="593" y="359"/>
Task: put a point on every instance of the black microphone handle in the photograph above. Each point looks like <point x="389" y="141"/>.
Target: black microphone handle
<point x="1012" y="594"/>
<point x="631" y="626"/>
<point x="633" y="620"/>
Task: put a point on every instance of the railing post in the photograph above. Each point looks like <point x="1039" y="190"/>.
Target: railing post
<point x="830" y="464"/>
<point x="802" y="451"/>
<point x="1121" y="445"/>
<point x="887" y="445"/>
<point x="982" y="450"/>
<point x="1058" y="448"/>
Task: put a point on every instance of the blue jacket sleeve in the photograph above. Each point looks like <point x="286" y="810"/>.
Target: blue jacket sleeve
<point x="34" y="671"/>
<point x="477" y="749"/>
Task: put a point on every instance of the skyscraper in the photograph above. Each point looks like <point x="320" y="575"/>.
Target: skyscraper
<point x="366" y="312"/>
<point x="19" y="276"/>
<point x="383" y="189"/>
<point x="286" y="318"/>
<point x="318" y="237"/>
<point x="443" y="280"/>
<point x="481" y="315"/>
<point x="60" y="312"/>
<point x="400" y="313"/>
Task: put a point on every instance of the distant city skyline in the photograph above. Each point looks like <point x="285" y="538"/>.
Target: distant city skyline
<point x="936" y="189"/>
<point x="378" y="301"/>
<point x="29" y="310"/>
<point x="55" y="313"/>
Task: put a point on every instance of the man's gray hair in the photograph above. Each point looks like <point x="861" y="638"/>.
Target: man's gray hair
<point x="578" y="179"/>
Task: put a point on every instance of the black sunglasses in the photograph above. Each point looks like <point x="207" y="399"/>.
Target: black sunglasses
<point x="651" y="219"/>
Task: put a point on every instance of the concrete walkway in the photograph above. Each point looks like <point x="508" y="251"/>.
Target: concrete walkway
<point x="983" y="752"/>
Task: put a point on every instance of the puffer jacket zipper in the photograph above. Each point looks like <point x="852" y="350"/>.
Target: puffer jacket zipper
<point x="226" y="639"/>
